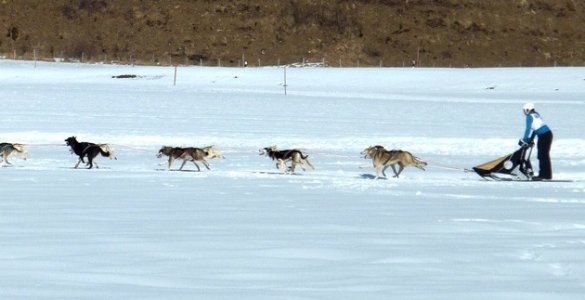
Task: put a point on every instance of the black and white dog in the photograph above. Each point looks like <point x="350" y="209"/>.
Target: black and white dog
<point x="282" y="156"/>
<point x="89" y="150"/>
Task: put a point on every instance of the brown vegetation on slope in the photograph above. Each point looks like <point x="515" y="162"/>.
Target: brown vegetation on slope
<point x="341" y="32"/>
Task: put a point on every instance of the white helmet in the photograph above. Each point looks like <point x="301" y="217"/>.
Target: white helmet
<point x="528" y="107"/>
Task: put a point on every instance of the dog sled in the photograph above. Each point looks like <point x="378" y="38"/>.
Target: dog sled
<point x="514" y="166"/>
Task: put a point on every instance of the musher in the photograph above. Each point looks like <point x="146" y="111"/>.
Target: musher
<point x="535" y="126"/>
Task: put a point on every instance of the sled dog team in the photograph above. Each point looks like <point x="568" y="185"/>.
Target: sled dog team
<point x="382" y="158"/>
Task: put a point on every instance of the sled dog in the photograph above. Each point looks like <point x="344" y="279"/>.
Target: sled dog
<point x="89" y="150"/>
<point x="7" y="149"/>
<point x="296" y="157"/>
<point x="382" y="159"/>
<point x="190" y="154"/>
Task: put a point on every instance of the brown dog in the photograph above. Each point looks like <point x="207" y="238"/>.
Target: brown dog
<point x="7" y="149"/>
<point x="190" y="154"/>
<point x="382" y="159"/>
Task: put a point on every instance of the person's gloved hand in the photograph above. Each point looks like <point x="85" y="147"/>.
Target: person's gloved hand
<point x="524" y="143"/>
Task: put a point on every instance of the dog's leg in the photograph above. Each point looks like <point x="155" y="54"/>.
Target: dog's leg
<point x="182" y="165"/>
<point x="400" y="168"/>
<point x="394" y="169"/>
<point x="170" y="162"/>
<point x="384" y="170"/>
<point x="281" y="166"/>
<point x="5" y="158"/>
<point x="291" y="169"/>
<point x="309" y="164"/>
<point x="77" y="164"/>
<point x="206" y="164"/>
<point x="377" y="172"/>
<point x="293" y="166"/>
<point x="198" y="169"/>
<point x="303" y="165"/>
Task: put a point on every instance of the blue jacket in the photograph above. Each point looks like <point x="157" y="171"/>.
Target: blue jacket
<point x="534" y="126"/>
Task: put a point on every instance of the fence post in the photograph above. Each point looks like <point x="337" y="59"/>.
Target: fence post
<point x="175" y="77"/>
<point x="285" y="80"/>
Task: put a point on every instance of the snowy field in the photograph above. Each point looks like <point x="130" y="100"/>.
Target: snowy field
<point x="132" y="230"/>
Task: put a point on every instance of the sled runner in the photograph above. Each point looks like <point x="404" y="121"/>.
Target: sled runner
<point x="514" y="166"/>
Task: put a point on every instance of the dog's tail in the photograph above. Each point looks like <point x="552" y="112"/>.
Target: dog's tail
<point x="106" y="151"/>
<point x="19" y="148"/>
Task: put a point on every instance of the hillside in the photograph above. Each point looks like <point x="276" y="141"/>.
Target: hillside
<point x="366" y="32"/>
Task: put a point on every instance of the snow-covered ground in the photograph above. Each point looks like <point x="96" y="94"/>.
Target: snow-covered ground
<point x="132" y="230"/>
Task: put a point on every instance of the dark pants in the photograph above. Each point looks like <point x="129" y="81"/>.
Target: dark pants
<point x="544" y="142"/>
